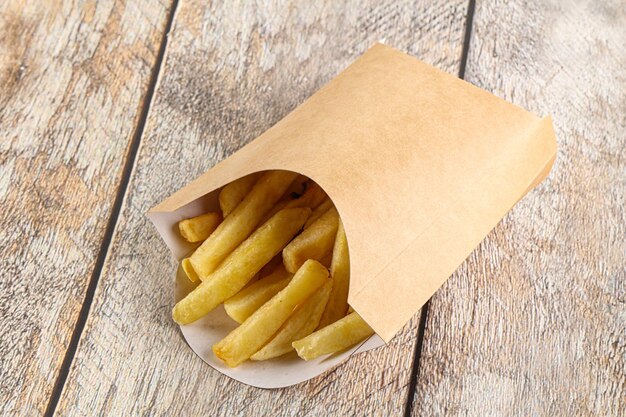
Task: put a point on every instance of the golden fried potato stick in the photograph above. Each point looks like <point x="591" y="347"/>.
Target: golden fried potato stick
<point x="241" y="222"/>
<point x="233" y="193"/>
<point x="241" y="305"/>
<point x="340" y="273"/>
<point x="197" y="229"/>
<point x="189" y="271"/>
<point x="241" y="265"/>
<point x="322" y="208"/>
<point x="313" y="243"/>
<point x="248" y="338"/>
<point x="312" y="197"/>
<point x="300" y="324"/>
<point x="336" y="337"/>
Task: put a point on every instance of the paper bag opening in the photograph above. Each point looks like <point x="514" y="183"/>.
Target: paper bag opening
<point x="202" y="334"/>
<point x="420" y="165"/>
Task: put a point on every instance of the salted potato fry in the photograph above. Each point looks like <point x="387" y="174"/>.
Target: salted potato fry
<point x="319" y="211"/>
<point x="189" y="271"/>
<point x="197" y="229"/>
<point x="336" y="337"/>
<point x="241" y="265"/>
<point x="340" y="273"/>
<point x="301" y="324"/>
<point x="241" y="306"/>
<point x="248" y="338"/>
<point x="313" y="243"/>
<point x="233" y="193"/>
<point x="241" y="222"/>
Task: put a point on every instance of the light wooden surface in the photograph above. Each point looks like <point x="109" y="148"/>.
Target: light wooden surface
<point x="72" y="81"/>
<point x="230" y="73"/>
<point x="534" y="322"/>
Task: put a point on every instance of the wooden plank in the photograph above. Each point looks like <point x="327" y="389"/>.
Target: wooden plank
<point x="231" y="72"/>
<point x="533" y="323"/>
<point x="73" y="76"/>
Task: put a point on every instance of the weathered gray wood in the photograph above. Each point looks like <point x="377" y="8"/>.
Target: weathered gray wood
<point x="534" y="322"/>
<point x="232" y="71"/>
<point x="73" y="76"/>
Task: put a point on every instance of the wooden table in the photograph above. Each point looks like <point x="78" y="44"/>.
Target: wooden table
<point x="108" y="107"/>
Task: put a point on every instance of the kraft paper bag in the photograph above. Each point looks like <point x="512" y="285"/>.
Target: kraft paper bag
<point x="420" y="165"/>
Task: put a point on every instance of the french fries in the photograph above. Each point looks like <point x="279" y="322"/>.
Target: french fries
<point x="322" y="208"/>
<point x="241" y="306"/>
<point x="340" y="273"/>
<point x="233" y="193"/>
<point x="333" y="338"/>
<point x="301" y="323"/>
<point x="248" y="338"/>
<point x="313" y="243"/>
<point x="242" y="221"/>
<point x="197" y="229"/>
<point x="296" y="304"/>
<point x="241" y="265"/>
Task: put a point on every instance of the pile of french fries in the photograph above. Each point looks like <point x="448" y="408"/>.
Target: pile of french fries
<point x="277" y="258"/>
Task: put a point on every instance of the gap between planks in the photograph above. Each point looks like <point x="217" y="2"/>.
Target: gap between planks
<point x="129" y="164"/>
<point x="408" y="408"/>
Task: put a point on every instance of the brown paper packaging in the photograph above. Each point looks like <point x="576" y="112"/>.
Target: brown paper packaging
<point x="420" y="164"/>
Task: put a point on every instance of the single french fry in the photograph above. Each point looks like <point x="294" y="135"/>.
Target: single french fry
<point x="241" y="222"/>
<point x="340" y="273"/>
<point x="241" y="265"/>
<point x="312" y="197"/>
<point x="319" y="211"/>
<point x="248" y="338"/>
<point x="241" y="305"/>
<point x="336" y="337"/>
<point x="313" y="243"/>
<point x="300" y="324"/>
<point x="197" y="229"/>
<point x="189" y="271"/>
<point x="233" y="193"/>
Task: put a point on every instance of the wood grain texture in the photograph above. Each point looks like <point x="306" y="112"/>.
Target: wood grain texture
<point x="72" y="80"/>
<point x="533" y="322"/>
<point x="230" y="73"/>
